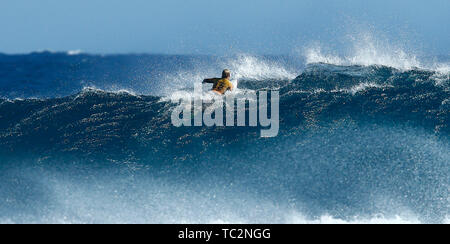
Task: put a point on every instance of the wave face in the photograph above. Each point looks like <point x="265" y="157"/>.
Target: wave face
<point x="357" y="144"/>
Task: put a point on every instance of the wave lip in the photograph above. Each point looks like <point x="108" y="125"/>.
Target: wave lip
<point x="366" y="57"/>
<point x="366" y="50"/>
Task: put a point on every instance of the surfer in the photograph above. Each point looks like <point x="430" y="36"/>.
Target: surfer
<point x="221" y="85"/>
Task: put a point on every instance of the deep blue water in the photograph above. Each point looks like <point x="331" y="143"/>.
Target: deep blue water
<point x="88" y="138"/>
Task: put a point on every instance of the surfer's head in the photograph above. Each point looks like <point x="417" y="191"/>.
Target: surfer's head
<point x="226" y="74"/>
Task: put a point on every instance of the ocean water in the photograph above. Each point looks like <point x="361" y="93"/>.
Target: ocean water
<point x="364" y="138"/>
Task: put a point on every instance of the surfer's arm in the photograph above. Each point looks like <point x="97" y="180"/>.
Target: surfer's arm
<point x="212" y="80"/>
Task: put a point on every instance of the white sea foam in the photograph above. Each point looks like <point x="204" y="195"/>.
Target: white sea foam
<point x="443" y="74"/>
<point x="297" y="218"/>
<point x="74" y="52"/>
<point x="361" y="87"/>
<point x="160" y="202"/>
<point x="325" y="219"/>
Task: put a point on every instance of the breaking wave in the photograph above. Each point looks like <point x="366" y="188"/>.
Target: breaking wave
<point x="361" y="141"/>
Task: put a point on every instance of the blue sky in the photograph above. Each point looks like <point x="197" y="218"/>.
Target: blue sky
<point x="216" y="27"/>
